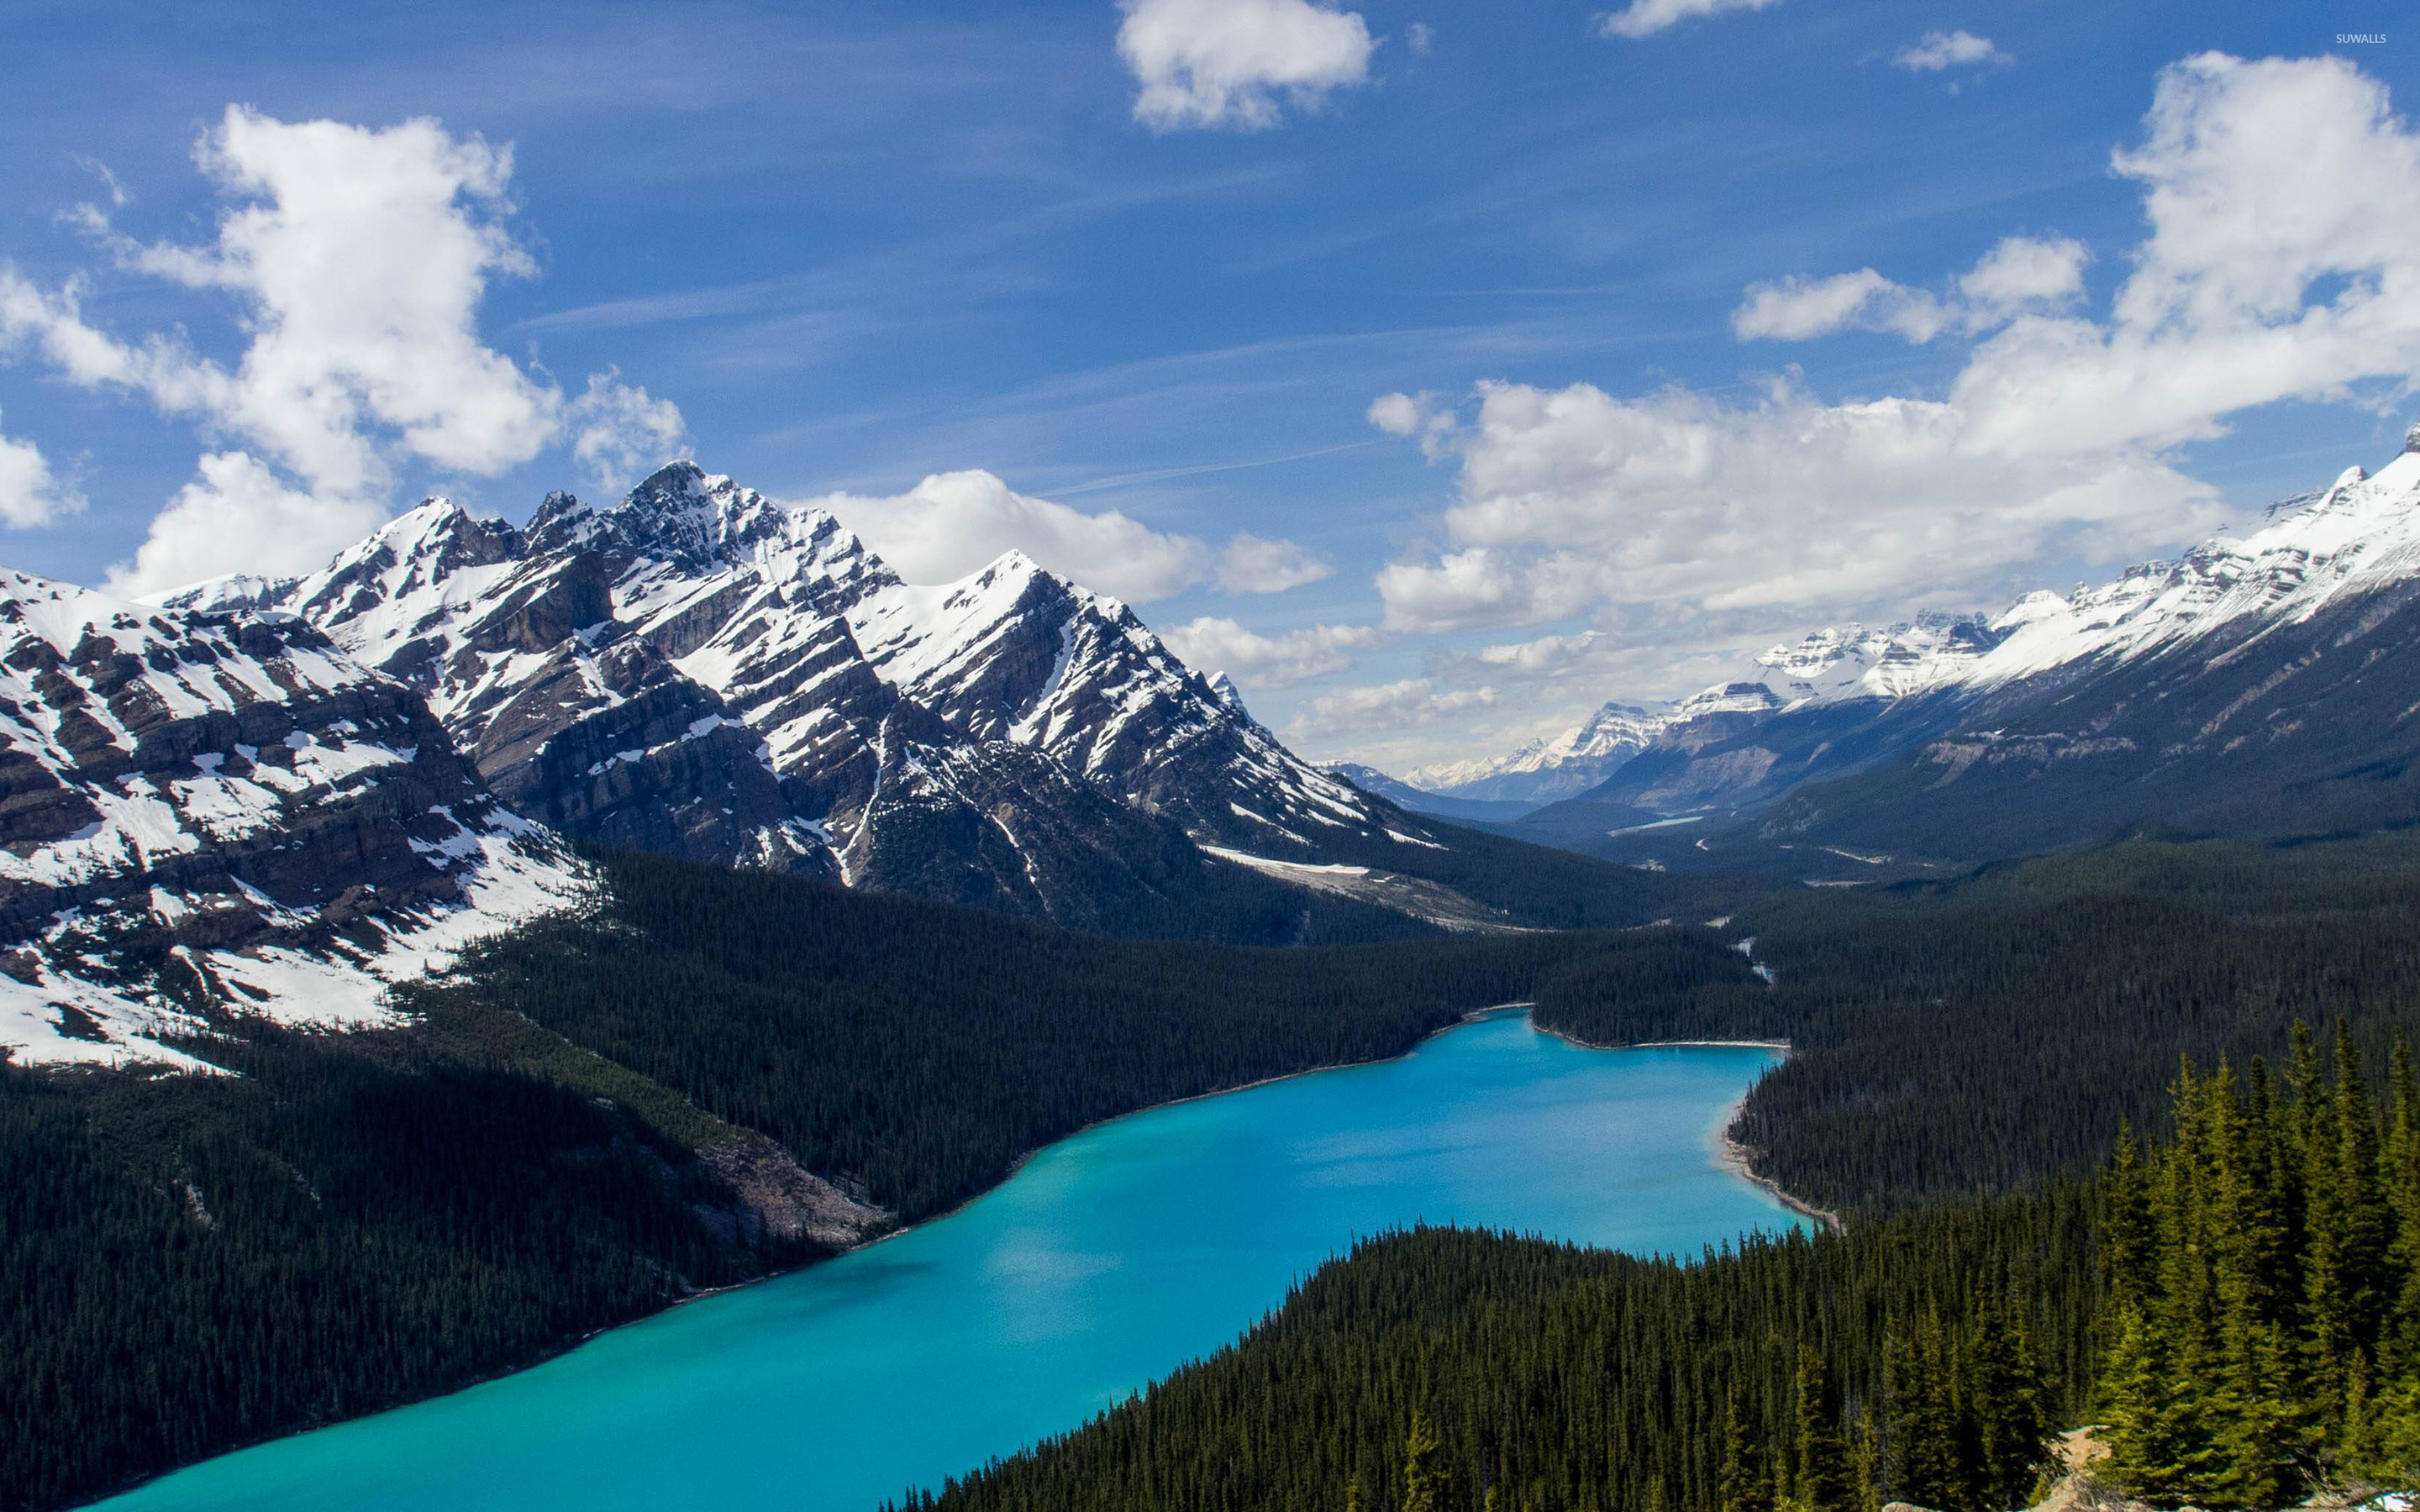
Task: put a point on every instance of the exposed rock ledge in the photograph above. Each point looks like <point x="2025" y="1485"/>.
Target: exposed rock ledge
<point x="789" y="1200"/>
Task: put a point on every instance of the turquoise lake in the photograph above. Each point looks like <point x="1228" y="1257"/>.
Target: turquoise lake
<point x="1106" y="1261"/>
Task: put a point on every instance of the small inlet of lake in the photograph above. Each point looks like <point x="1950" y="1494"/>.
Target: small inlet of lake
<point x="1110" y="1260"/>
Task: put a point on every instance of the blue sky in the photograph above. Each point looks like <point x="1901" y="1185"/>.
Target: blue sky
<point x="858" y="246"/>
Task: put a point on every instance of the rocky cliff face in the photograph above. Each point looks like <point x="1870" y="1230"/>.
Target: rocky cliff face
<point x="207" y="814"/>
<point x="701" y="671"/>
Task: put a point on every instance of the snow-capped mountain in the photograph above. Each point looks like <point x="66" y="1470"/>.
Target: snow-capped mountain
<point x="2170" y="687"/>
<point x="209" y="815"/>
<point x="1543" y="770"/>
<point x="702" y="670"/>
<point x="1852" y="661"/>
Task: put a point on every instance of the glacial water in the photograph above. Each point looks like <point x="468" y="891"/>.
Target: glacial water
<point x="1108" y="1261"/>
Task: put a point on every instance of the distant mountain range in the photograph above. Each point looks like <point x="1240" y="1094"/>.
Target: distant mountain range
<point x="1543" y="770"/>
<point x="1403" y="795"/>
<point x="2258" y="683"/>
<point x="1846" y="662"/>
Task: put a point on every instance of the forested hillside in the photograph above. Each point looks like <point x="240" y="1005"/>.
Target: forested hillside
<point x="1972" y="1036"/>
<point x="571" y="1133"/>
<point x="343" y="1223"/>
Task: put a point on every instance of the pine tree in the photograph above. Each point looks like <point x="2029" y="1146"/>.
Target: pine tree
<point x="2251" y="1397"/>
<point x="1823" y="1478"/>
<point x="2152" y="1452"/>
<point x="2396" y="1409"/>
<point x="1929" y="1431"/>
<point x="2126" y="1243"/>
<point x="1742" y="1483"/>
<point x="2330" y="1271"/>
<point x="2013" y="1431"/>
<point x="1420" y="1474"/>
<point x="2368" y="1217"/>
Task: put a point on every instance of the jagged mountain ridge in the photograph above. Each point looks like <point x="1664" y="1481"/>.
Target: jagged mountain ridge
<point x="1837" y="663"/>
<point x="1852" y="661"/>
<point x="2116" y="679"/>
<point x="207" y="814"/>
<point x="700" y="671"/>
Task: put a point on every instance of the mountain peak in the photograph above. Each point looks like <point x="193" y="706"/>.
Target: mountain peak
<point x="1728" y="698"/>
<point x="699" y="518"/>
<point x="1011" y="563"/>
<point x="674" y="480"/>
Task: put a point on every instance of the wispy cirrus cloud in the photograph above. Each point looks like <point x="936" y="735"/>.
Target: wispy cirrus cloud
<point x="1407" y="704"/>
<point x="1645" y="18"/>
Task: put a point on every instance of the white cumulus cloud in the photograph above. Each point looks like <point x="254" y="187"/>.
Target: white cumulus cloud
<point x="1645" y="18"/>
<point x="2021" y="272"/>
<point x="1214" y="644"/>
<point x="1423" y="415"/>
<point x="30" y="492"/>
<point x="1795" y="309"/>
<point x="2282" y="262"/>
<point x="2018" y="275"/>
<point x="356" y="259"/>
<point x="1260" y="564"/>
<point x="1948" y="50"/>
<point x="953" y="523"/>
<point x="238" y="515"/>
<point x="1236" y="63"/>
<point x="619" y="432"/>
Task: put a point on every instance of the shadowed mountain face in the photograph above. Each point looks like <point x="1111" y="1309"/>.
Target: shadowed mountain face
<point x="703" y="671"/>
<point x="2262" y="684"/>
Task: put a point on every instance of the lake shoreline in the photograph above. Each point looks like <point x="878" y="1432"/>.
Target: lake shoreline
<point x="1728" y="1152"/>
<point x="1472" y="1016"/>
<point x="898" y="1230"/>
